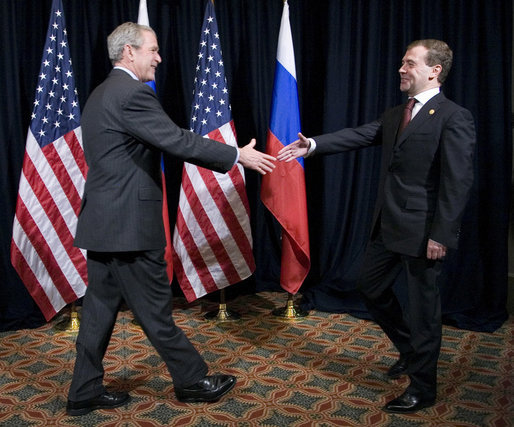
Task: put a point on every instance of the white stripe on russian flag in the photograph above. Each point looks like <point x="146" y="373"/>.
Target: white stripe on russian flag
<point x="285" y="51"/>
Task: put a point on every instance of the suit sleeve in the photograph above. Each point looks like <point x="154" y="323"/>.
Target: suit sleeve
<point x="456" y="177"/>
<point x="146" y="120"/>
<point x="349" y="138"/>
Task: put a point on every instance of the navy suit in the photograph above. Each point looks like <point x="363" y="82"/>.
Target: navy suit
<point x="125" y="130"/>
<point x="426" y="174"/>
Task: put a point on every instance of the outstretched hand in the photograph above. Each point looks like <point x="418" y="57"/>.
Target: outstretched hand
<point x="251" y="158"/>
<point x="296" y="149"/>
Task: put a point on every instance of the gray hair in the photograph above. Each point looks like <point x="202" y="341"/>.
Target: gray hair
<point x="127" y="33"/>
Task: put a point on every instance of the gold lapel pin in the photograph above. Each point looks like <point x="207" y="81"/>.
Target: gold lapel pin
<point x="431" y="112"/>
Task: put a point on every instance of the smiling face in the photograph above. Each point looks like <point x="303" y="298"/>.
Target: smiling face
<point x="143" y="60"/>
<point x="415" y="75"/>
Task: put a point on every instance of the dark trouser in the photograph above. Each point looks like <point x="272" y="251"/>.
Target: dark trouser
<point x="416" y="332"/>
<point x="139" y="279"/>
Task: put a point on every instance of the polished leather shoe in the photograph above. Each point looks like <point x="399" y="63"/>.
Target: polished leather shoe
<point x="407" y="403"/>
<point x="105" y="401"/>
<point x="399" y="368"/>
<point x="208" y="389"/>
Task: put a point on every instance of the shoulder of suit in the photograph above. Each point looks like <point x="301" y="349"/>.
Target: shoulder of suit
<point x="443" y="101"/>
<point x="130" y="85"/>
<point x="122" y="76"/>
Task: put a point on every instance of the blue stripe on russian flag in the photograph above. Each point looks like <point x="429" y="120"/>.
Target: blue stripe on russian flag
<point x="285" y="116"/>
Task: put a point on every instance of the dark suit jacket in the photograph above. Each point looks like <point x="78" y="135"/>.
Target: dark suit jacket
<point x="425" y="175"/>
<point x="125" y="130"/>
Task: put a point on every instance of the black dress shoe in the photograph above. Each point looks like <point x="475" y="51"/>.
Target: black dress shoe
<point x="104" y="401"/>
<point x="399" y="368"/>
<point x="208" y="389"/>
<point x="407" y="403"/>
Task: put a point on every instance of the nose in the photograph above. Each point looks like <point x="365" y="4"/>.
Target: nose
<point x="158" y="58"/>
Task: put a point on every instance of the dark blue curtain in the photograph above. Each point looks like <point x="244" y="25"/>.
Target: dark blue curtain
<point x="347" y="56"/>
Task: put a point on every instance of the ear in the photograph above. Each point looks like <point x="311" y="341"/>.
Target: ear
<point x="127" y="52"/>
<point x="436" y="70"/>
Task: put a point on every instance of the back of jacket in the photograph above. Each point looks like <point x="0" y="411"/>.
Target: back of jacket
<point x="124" y="131"/>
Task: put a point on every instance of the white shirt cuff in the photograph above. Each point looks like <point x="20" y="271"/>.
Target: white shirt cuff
<point x="311" y="148"/>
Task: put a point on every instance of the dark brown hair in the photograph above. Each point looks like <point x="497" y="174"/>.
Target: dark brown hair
<point x="438" y="53"/>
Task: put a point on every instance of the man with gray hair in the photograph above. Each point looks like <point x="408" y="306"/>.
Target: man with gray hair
<point x="125" y="130"/>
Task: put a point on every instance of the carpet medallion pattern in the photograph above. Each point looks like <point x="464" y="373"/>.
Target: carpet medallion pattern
<point x="325" y="370"/>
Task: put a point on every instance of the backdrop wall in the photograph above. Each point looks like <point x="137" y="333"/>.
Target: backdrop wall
<point x="347" y="57"/>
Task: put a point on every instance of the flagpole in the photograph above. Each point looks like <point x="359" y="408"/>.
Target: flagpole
<point x="290" y="312"/>
<point x="222" y="314"/>
<point x="212" y="240"/>
<point x="72" y="324"/>
<point x="283" y="192"/>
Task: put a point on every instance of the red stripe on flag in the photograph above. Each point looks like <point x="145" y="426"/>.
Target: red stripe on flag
<point x="32" y="284"/>
<point x="77" y="152"/>
<point x="60" y="173"/>
<point x="234" y="173"/>
<point x="209" y="231"/>
<point x="233" y="127"/>
<point x="53" y="216"/>
<point x="195" y="255"/>
<point x="168" y="257"/>
<point x="185" y="284"/>
<point x="217" y="136"/>
<point x="231" y="220"/>
<point x="239" y="185"/>
<point x="44" y="251"/>
<point x="283" y="193"/>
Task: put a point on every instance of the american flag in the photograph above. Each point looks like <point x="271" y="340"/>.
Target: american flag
<point x="283" y="191"/>
<point x="212" y="240"/>
<point x="52" y="182"/>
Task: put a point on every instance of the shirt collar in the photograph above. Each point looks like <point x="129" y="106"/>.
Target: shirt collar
<point x="130" y="73"/>
<point x="426" y="95"/>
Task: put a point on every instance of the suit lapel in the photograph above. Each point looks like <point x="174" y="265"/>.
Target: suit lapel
<point x="427" y="112"/>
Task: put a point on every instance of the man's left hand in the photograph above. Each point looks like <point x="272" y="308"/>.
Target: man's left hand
<point x="435" y="250"/>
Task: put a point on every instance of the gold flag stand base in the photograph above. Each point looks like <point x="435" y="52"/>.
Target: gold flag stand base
<point x="71" y="324"/>
<point x="222" y="314"/>
<point x="290" y="312"/>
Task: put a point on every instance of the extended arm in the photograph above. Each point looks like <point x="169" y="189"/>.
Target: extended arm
<point x="332" y="143"/>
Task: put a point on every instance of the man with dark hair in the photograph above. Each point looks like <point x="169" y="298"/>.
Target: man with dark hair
<point x="425" y="178"/>
<point x="120" y="224"/>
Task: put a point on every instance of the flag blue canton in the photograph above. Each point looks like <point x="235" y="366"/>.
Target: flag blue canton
<point x="211" y="105"/>
<point x="56" y="108"/>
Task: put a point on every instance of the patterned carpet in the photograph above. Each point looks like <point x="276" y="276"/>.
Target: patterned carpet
<point x="326" y="370"/>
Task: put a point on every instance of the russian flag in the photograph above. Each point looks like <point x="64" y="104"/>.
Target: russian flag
<point x="283" y="191"/>
<point x="142" y="19"/>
